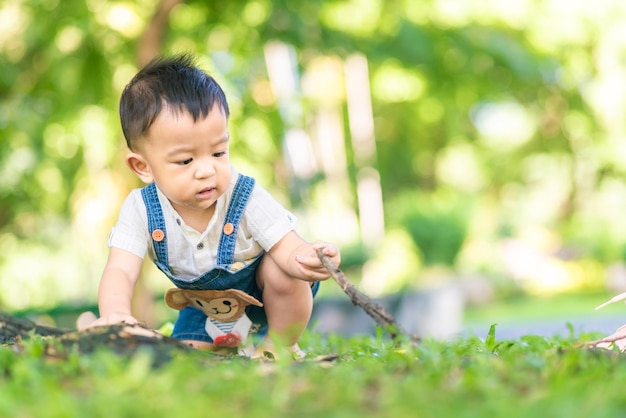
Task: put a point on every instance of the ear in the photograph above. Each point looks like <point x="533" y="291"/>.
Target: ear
<point x="176" y="299"/>
<point x="138" y="164"/>
<point x="244" y="297"/>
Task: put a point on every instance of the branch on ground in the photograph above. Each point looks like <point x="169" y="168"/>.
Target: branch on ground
<point x="383" y="318"/>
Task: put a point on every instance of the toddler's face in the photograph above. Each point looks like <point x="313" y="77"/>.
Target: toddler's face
<point x="189" y="160"/>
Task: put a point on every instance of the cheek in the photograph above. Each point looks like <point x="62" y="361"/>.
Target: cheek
<point x="169" y="175"/>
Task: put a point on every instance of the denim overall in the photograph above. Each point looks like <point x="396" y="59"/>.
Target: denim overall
<point x="190" y="324"/>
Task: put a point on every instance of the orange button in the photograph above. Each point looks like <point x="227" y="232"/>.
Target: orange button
<point x="229" y="228"/>
<point x="158" y="235"/>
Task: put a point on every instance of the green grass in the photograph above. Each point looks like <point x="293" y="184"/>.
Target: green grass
<point x="529" y="377"/>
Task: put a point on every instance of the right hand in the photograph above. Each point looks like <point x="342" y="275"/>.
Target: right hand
<point x="89" y="320"/>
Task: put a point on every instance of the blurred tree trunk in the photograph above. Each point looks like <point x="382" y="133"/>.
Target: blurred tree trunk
<point x="151" y="45"/>
<point x="151" y="42"/>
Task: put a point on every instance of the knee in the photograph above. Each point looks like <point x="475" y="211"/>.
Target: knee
<point x="286" y="285"/>
<point x="273" y="279"/>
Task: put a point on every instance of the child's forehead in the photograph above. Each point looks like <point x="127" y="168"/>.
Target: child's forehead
<point x="170" y="121"/>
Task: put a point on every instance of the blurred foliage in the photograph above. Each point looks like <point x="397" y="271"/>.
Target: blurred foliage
<point x="518" y="104"/>
<point x="437" y="224"/>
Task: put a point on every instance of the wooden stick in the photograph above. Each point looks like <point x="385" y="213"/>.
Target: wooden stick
<point x="373" y="309"/>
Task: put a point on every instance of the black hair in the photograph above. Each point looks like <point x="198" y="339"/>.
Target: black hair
<point x="173" y="81"/>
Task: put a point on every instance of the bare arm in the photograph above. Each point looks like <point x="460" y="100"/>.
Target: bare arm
<point x="298" y="258"/>
<point x="117" y="286"/>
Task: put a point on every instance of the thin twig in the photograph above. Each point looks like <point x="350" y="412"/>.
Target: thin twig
<point x="373" y="309"/>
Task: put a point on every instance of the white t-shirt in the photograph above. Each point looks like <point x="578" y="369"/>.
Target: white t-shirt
<point x="191" y="253"/>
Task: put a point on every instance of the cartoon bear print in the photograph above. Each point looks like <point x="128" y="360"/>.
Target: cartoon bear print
<point x="227" y="323"/>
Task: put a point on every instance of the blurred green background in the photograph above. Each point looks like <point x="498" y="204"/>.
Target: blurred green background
<point x="432" y="140"/>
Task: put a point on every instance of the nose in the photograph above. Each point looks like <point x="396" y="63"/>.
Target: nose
<point x="204" y="168"/>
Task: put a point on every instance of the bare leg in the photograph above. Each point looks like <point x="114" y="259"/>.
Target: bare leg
<point x="288" y="303"/>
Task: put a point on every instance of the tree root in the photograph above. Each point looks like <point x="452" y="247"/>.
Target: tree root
<point x="122" y="339"/>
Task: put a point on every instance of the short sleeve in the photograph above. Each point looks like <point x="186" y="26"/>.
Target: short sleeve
<point x="130" y="233"/>
<point x="267" y="220"/>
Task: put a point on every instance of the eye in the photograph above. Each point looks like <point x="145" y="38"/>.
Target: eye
<point x="219" y="154"/>
<point x="185" y="162"/>
<point x="199" y="303"/>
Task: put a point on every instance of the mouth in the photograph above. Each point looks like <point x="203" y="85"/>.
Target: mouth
<point x="206" y="193"/>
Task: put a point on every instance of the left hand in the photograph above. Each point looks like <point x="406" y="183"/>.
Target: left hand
<point x="311" y="266"/>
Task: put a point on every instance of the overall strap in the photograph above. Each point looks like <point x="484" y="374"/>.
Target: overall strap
<point x="156" y="225"/>
<point x="239" y="200"/>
